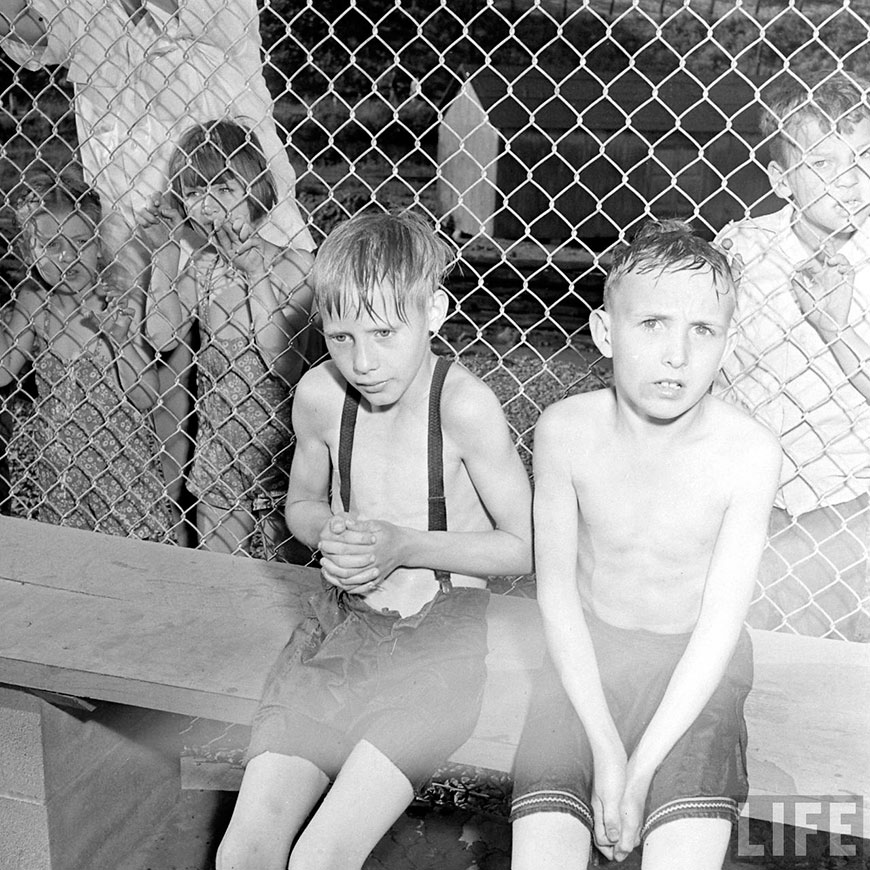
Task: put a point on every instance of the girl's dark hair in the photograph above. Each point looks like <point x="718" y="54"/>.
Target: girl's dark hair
<point x="211" y="151"/>
<point x="42" y="191"/>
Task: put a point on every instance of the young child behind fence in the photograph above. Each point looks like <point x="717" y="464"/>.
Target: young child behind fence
<point x="406" y="479"/>
<point x="800" y="363"/>
<point x="97" y="464"/>
<point x="253" y="309"/>
<point x="649" y="526"/>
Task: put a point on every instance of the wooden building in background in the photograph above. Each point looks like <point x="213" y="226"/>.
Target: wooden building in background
<point x="544" y="153"/>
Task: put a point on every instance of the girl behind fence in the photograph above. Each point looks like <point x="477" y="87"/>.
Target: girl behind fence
<point x="97" y="462"/>
<point x="250" y="301"/>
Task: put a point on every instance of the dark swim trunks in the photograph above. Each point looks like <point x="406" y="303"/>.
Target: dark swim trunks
<point x="704" y="774"/>
<point x="412" y="686"/>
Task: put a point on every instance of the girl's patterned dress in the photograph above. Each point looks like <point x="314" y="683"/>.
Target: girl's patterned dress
<point x="244" y="442"/>
<point x="98" y="466"/>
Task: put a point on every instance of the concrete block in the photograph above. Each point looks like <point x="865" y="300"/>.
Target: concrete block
<point x="24" y="841"/>
<point x="82" y="789"/>
<point x="21" y="758"/>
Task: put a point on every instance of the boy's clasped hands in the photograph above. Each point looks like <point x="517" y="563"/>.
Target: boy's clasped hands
<point x="619" y="793"/>
<point x="357" y="555"/>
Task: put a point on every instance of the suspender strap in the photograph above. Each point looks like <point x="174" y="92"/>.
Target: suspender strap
<point x="345" y="443"/>
<point x="437" y="501"/>
<point x="435" y="455"/>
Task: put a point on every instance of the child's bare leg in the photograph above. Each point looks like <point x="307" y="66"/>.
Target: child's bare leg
<point x="368" y="796"/>
<point x="224" y="531"/>
<point x="687" y="844"/>
<point x="277" y="795"/>
<point x="550" y="841"/>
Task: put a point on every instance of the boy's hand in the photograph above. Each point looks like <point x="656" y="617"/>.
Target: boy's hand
<point x="824" y="287"/>
<point x="241" y="246"/>
<point x="607" y="790"/>
<point x="735" y="260"/>
<point x="631" y="814"/>
<point x="347" y="554"/>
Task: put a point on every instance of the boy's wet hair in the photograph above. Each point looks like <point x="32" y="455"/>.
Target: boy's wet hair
<point x="42" y="191"/>
<point x="661" y="246"/>
<point x="217" y="149"/>
<point x="372" y="250"/>
<point x="834" y="101"/>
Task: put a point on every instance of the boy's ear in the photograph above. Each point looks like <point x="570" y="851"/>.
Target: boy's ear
<point x="730" y="344"/>
<point x="599" y="326"/>
<point x="437" y="313"/>
<point x="778" y="176"/>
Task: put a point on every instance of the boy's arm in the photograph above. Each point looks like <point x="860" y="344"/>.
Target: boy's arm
<point x="501" y="482"/>
<point x="308" y="509"/>
<point x="557" y="515"/>
<point x="825" y="291"/>
<point x="727" y="592"/>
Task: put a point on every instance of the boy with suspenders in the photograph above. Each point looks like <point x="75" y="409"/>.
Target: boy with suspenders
<point x="406" y="479"/>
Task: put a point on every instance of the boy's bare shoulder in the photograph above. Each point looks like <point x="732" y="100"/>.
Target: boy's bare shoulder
<point x="580" y="414"/>
<point x="319" y="389"/>
<point x="467" y="402"/>
<point x="744" y="442"/>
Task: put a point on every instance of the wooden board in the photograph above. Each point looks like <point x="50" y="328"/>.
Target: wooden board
<point x="141" y="623"/>
<point x="191" y="632"/>
<point x="808" y="716"/>
<point x="182" y="630"/>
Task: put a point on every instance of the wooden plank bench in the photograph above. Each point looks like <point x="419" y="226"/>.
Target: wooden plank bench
<point x="169" y="632"/>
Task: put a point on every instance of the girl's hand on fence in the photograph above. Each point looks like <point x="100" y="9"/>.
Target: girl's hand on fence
<point x="824" y="286"/>
<point x="241" y="246"/>
<point x="158" y="221"/>
<point x="119" y="312"/>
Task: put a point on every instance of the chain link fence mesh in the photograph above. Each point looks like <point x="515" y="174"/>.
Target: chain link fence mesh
<point x="538" y="135"/>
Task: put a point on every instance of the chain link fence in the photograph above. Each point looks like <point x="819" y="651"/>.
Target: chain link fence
<point x="538" y="135"/>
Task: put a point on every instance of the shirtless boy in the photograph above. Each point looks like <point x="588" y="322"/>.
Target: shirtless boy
<point x="651" y="505"/>
<point x="412" y="500"/>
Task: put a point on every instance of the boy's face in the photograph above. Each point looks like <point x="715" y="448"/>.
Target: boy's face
<point x="213" y="203"/>
<point x="65" y="251"/>
<point x="382" y="355"/>
<point x="667" y="333"/>
<point x="827" y="179"/>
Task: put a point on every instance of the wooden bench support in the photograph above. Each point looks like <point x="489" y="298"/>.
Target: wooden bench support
<point x="79" y="790"/>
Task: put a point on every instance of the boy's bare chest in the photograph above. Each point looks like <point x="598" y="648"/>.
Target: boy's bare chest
<point x="390" y="469"/>
<point x="677" y="500"/>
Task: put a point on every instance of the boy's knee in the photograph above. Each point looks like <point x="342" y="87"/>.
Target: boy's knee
<point x="308" y="855"/>
<point x="248" y="850"/>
